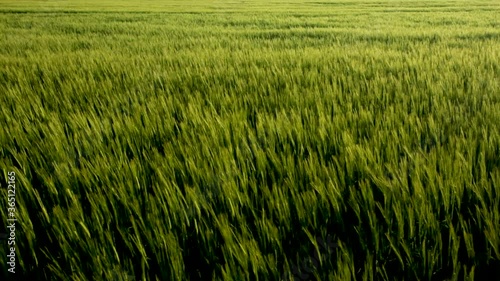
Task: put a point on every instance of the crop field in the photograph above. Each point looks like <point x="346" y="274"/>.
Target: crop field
<point x="250" y="140"/>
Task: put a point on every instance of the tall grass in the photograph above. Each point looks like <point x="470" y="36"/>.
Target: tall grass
<point x="231" y="142"/>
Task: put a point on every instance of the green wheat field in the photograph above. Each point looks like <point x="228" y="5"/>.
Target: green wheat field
<point x="251" y="140"/>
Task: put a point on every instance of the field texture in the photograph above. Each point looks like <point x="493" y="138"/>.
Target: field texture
<point x="251" y="140"/>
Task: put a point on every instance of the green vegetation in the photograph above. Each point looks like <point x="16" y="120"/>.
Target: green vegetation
<point x="217" y="140"/>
